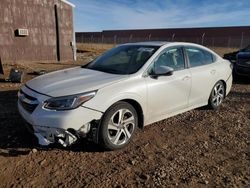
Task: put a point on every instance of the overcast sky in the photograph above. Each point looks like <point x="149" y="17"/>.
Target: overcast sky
<point x="98" y="15"/>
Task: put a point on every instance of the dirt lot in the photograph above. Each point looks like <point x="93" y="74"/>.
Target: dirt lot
<point x="200" y="148"/>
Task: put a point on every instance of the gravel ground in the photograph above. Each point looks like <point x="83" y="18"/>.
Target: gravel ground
<point x="200" y="148"/>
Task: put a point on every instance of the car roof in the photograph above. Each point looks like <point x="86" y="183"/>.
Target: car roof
<point x="149" y="43"/>
<point x="165" y="43"/>
<point x="161" y="43"/>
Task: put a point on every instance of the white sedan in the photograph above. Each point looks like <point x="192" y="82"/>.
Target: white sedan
<point x="128" y="87"/>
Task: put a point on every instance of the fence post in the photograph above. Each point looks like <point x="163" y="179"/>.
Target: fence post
<point x="92" y="37"/>
<point x="241" y="41"/>
<point x="130" y="38"/>
<point x="102" y="42"/>
<point x="202" y="38"/>
<point x="149" y="36"/>
<point x="229" y="42"/>
<point x="115" y="39"/>
<point x="173" y="36"/>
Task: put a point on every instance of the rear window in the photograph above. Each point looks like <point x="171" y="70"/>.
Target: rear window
<point x="208" y="57"/>
<point x="198" y="57"/>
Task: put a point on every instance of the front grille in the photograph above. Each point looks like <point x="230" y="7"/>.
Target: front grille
<point x="28" y="102"/>
<point x="28" y="107"/>
<point x="27" y="96"/>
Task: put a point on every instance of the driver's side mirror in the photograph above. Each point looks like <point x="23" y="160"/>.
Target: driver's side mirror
<point x="161" y="71"/>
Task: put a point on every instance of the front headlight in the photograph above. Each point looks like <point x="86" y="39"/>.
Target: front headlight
<point x="68" y="102"/>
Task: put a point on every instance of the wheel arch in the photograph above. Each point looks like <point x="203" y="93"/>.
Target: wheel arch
<point x="210" y="103"/>
<point x="137" y="101"/>
<point x="138" y="109"/>
<point x="224" y="83"/>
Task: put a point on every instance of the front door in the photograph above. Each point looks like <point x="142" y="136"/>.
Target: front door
<point x="168" y="94"/>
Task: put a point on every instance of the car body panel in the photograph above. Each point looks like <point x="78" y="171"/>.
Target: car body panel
<point x="240" y="60"/>
<point x="242" y="65"/>
<point x="57" y="119"/>
<point x="67" y="82"/>
<point x="202" y="76"/>
<point x="168" y="94"/>
<point x="132" y="88"/>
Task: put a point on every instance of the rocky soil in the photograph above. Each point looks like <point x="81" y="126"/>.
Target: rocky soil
<point x="200" y="148"/>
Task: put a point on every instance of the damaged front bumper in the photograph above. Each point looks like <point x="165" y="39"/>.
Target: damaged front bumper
<point x="65" y="136"/>
<point x="51" y="126"/>
<point x="47" y="135"/>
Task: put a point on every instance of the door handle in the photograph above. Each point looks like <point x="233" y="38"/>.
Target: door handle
<point x="186" y="78"/>
<point x="213" y="72"/>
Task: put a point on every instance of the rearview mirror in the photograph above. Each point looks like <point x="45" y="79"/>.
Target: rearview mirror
<point x="162" y="71"/>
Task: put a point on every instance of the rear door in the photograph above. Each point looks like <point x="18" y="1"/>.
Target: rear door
<point x="203" y="73"/>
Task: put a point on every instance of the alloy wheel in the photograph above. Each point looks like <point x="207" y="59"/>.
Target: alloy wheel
<point x="218" y="94"/>
<point x="121" y="126"/>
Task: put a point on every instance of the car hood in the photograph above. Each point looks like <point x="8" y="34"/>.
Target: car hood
<point x="72" y="81"/>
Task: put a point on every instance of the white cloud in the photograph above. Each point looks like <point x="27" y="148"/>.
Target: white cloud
<point x="98" y="15"/>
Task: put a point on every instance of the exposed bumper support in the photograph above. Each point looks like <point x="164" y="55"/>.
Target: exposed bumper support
<point x="41" y="140"/>
<point x="47" y="135"/>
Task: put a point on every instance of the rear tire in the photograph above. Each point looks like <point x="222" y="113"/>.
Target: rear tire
<point x="217" y="95"/>
<point x="118" y="126"/>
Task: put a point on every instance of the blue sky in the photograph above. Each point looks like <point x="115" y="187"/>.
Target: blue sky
<point x="98" y="15"/>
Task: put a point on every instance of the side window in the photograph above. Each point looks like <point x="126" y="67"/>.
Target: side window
<point x="198" y="57"/>
<point x="208" y="57"/>
<point x="172" y="58"/>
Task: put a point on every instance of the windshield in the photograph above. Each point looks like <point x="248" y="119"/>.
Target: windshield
<point x="126" y="59"/>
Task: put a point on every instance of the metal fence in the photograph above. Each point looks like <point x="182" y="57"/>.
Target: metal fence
<point x="227" y="42"/>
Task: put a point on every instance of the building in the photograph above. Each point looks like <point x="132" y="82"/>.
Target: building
<point x="209" y="36"/>
<point x="36" y="30"/>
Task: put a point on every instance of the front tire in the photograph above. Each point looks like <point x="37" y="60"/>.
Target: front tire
<point x="118" y="126"/>
<point x="217" y="95"/>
